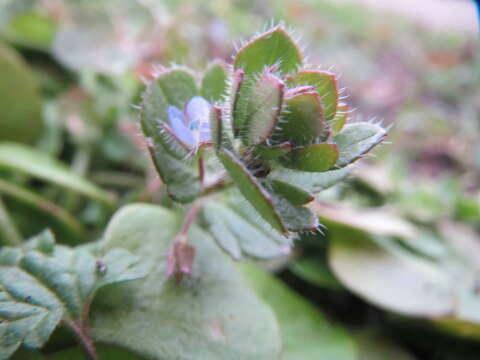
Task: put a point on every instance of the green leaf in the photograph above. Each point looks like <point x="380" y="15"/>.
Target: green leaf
<point x="174" y="87"/>
<point x="316" y="272"/>
<point x="296" y="218"/>
<point x="43" y="283"/>
<point x="380" y="272"/>
<point x="20" y="101"/>
<point x="182" y="182"/>
<point x="59" y="217"/>
<point x="341" y="118"/>
<point x="325" y="85"/>
<point x="220" y="129"/>
<point x="263" y="109"/>
<point x="251" y="189"/>
<point x="377" y="347"/>
<point x="312" y="158"/>
<point x="308" y="181"/>
<point x="302" y="121"/>
<point x="305" y="331"/>
<point x="355" y="140"/>
<point x="39" y="165"/>
<point x="292" y="193"/>
<point x="214" y="82"/>
<point x="212" y="315"/>
<point x="31" y="30"/>
<point x="272" y="152"/>
<point x="273" y="50"/>
<point x="235" y="227"/>
<point x="104" y="352"/>
<point x="273" y="47"/>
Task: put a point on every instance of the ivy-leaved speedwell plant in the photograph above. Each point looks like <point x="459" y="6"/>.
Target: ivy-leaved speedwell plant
<point x="264" y="134"/>
<point x="244" y="150"/>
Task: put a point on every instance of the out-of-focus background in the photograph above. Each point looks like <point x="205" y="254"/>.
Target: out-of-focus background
<point x="70" y="71"/>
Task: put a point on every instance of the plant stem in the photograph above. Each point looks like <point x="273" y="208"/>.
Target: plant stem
<point x="84" y="339"/>
<point x="10" y="233"/>
<point x="189" y="218"/>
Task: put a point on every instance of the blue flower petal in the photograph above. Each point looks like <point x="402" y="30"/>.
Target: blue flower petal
<point x="176" y="120"/>
<point x="197" y="112"/>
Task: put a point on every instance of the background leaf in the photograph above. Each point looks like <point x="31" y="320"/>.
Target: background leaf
<point x="210" y="316"/>
<point x="40" y="165"/>
<point x="20" y="101"/>
<point x="305" y="331"/>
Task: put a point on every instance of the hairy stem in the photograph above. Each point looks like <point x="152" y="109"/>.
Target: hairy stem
<point x="189" y="218"/>
<point x="83" y="338"/>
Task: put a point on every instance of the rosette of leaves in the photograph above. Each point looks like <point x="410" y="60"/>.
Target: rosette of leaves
<point x="278" y="128"/>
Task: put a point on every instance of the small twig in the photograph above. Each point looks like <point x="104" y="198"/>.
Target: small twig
<point x="9" y="231"/>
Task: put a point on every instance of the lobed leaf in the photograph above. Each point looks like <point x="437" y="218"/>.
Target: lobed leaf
<point x="43" y="283"/>
<point x="212" y="315"/>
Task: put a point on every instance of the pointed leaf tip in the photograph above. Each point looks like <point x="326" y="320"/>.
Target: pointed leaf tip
<point x="273" y="47"/>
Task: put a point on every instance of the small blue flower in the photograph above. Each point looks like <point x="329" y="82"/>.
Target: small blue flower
<point x="192" y="125"/>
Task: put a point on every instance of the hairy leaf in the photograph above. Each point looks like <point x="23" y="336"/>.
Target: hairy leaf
<point x="214" y="82"/>
<point x="312" y="158"/>
<point x="325" y="85"/>
<point x="264" y="108"/>
<point x="308" y="181"/>
<point x="43" y="283"/>
<point x="341" y="118"/>
<point x="303" y="120"/>
<point x="211" y="316"/>
<point x="273" y="49"/>
<point x="174" y="87"/>
<point x="355" y="140"/>
<point x="251" y="189"/>
<point x="236" y="228"/>
<point x="295" y="195"/>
